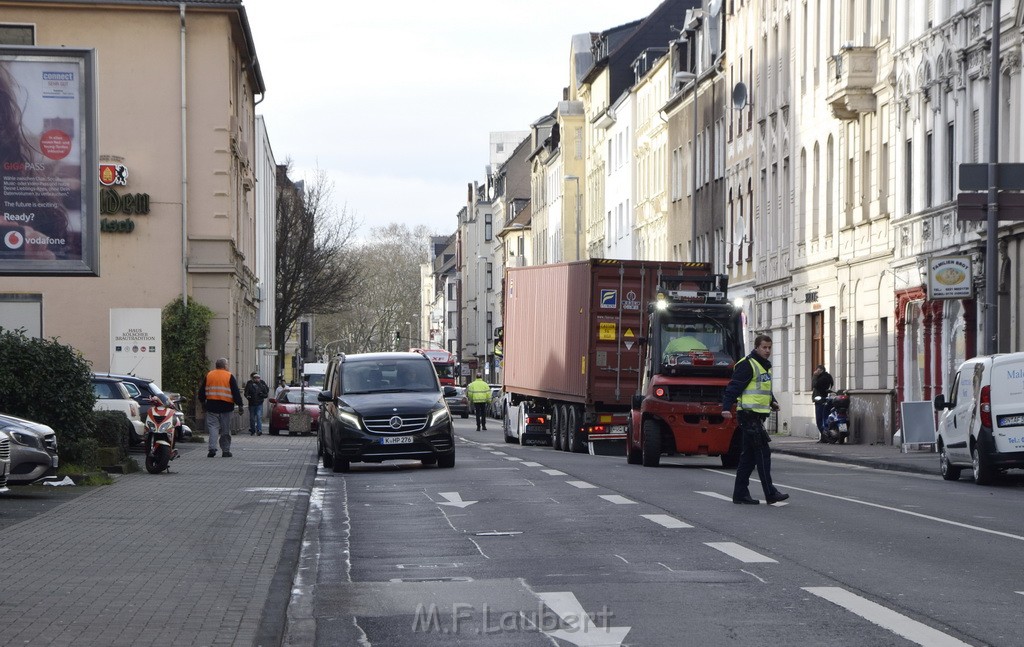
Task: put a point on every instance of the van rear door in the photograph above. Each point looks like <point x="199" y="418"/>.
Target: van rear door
<point x="1008" y="402"/>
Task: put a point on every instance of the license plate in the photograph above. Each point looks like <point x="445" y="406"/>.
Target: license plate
<point x="396" y="440"/>
<point x="842" y="426"/>
<point x="617" y="429"/>
<point x="1015" y="420"/>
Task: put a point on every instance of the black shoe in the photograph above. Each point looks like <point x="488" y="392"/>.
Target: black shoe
<point x="211" y="453"/>
<point x="775" y="498"/>
<point x="252" y="433"/>
<point x="226" y="454"/>
<point x="485" y="429"/>
<point x="748" y="500"/>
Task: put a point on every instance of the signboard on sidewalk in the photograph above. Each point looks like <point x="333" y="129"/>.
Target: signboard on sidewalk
<point x="135" y="342"/>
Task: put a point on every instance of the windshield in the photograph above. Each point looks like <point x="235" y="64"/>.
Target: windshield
<point x="388" y="376"/>
<point x="298" y="396"/>
<point x="445" y="371"/>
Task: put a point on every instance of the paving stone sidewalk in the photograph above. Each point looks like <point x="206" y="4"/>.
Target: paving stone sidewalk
<point x="202" y="556"/>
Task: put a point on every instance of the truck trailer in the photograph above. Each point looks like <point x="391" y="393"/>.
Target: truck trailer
<point x="576" y="342"/>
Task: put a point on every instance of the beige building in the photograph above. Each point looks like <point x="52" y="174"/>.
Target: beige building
<point x="196" y="163"/>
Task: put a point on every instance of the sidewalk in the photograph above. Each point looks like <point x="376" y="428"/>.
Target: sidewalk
<point x="885" y="457"/>
<point x="202" y="556"/>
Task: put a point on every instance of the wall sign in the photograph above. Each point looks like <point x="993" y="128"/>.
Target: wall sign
<point x="949" y="277"/>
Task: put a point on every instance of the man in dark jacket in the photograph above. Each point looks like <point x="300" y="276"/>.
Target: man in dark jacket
<point x="219" y="394"/>
<point x="256" y="391"/>
<point x="751" y="391"/>
<point x="821" y="384"/>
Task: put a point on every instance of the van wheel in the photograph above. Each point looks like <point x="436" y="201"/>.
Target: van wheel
<point x="949" y="472"/>
<point x="984" y="473"/>
<point x="651" y="444"/>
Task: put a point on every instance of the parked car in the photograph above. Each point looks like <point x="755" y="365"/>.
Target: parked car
<point x="33" y="450"/>
<point x="142" y="389"/>
<point x="981" y="421"/>
<point x="290" y="401"/>
<point x="384" y="406"/>
<point x="112" y="395"/>
<point x="458" y="403"/>
<point x="5" y="459"/>
<point x="495" y="408"/>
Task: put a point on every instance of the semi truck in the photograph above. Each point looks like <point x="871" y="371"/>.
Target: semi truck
<point x="577" y="342"/>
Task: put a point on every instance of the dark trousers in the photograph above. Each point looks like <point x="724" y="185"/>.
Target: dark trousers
<point x="480" y="409"/>
<point x="819" y="414"/>
<point x="754" y="453"/>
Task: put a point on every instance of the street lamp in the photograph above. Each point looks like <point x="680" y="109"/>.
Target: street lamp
<point x="578" y="200"/>
<point x="681" y="77"/>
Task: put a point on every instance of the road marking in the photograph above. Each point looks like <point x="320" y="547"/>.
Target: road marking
<point x="740" y="552"/>
<point x="532" y="464"/>
<point x="617" y="499"/>
<point x="499" y="453"/>
<point x="554" y="472"/>
<point x="513" y="458"/>
<point x="666" y="520"/>
<point x="454" y="500"/>
<point x="582" y="631"/>
<point x="716" y="495"/>
<point x="897" y="623"/>
<point x="583" y="485"/>
<point x="910" y="513"/>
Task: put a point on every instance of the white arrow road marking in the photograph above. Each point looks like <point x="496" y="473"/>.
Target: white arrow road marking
<point x="897" y="623"/>
<point x="666" y="520"/>
<point x="716" y="495"/>
<point x="583" y="485"/>
<point x="582" y="630"/>
<point x="454" y="500"/>
<point x="617" y="499"/>
<point x="554" y="472"/>
<point x="741" y="553"/>
<point x="532" y="464"/>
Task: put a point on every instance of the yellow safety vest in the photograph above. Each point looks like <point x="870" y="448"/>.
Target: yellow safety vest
<point x="757" y="395"/>
<point x="478" y="392"/>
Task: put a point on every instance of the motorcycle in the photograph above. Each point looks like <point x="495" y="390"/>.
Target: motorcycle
<point x="837" y="422"/>
<point x="161" y="426"/>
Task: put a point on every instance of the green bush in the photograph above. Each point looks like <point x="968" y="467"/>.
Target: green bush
<point x="112" y="430"/>
<point x="185" y="332"/>
<point x="48" y="382"/>
<point x="81" y="451"/>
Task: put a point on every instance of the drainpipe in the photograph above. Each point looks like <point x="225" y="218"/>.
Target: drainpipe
<point x="184" y="166"/>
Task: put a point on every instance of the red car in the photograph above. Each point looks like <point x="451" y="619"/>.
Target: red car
<point x="286" y="410"/>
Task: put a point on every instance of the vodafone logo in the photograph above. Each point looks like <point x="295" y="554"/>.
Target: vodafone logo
<point x="14" y="239"/>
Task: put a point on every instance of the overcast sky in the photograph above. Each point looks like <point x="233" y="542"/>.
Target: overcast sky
<point x="395" y="100"/>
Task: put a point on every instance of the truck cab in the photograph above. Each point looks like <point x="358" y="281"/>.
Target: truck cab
<point x="695" y="337"/>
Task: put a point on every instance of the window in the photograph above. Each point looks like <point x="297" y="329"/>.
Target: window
<point x="908" y="177"/>
<point x="950" y="160"/>
<point x="451" y="292"/>
<point x="816" y="322"/>
<point x="488" y="271"/>
<point x="488" y="227"/>
<point x="929" y="168"/>
<point x="17" y="35"/>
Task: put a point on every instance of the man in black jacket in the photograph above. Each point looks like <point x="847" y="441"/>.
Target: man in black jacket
<point x="256" y="391"/>
<point x="821" y="384"/>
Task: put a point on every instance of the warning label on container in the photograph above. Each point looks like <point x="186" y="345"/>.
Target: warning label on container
<point x="606" y="331"/>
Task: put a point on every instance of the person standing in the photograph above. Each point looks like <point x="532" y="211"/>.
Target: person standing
<point x="751" y="391"/>
<point x="821" y="384"/>
<point x="479" y="393"/>
<point x="256" y="391"/>
<point x="219" y="394"/>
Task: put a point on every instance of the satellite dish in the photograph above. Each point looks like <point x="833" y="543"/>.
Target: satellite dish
<point x="739" y="96"/>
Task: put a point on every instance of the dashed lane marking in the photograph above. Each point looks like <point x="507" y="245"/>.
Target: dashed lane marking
<point x="583" y="485"/>
<point x="617" y="499"/>
<point x="666" y="520"/>
<point x="740" y="552"/>
<point x="554" y="472"/>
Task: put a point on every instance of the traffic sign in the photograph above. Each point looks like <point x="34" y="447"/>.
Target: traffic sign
<point x="1009" y="177"/>
<point x="974" y="206"/>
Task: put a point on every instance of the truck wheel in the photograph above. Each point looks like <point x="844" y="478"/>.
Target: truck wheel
<point x="633" y="455"/>
<point x="556" y="423"/>
<point x="577" y="445"/>
<point x="563" y="427"/>
<point x="984" y="473"/>
<point x="651" y="444"/>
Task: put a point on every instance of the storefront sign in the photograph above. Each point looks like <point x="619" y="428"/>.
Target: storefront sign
<point x="949" y="277"/>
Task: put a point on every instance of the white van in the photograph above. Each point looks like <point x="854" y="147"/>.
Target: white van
<point x="313" y="374"/>
<point x="981" y="422"/>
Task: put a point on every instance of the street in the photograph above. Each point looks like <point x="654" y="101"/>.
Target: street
<point x="528" y="546"/>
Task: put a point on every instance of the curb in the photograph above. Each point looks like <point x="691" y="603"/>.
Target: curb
<point x="913" y="468"/>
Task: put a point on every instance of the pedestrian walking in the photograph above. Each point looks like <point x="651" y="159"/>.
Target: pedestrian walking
<point x="751" y="391"/>
<point x="479" y="393"/>
<point x="821" y="384"/>
<point x="256" y="391"/>
<point x="219" y="394"/>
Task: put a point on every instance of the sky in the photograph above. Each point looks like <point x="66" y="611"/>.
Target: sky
<point x="395" y="101"/>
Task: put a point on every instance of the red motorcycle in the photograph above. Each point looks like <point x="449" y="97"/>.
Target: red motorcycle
<point x="159" y="438"/>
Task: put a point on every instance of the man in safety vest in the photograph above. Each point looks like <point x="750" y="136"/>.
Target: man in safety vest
<point x="751" y="391"/>
<point x="479" y="393"/>
<point x="219" y="394"/>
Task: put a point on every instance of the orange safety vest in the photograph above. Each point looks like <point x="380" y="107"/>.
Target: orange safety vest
<point x="218" y="385"/>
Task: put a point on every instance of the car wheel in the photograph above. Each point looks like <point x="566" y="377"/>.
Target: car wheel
<point x="984" y="473"/>
<point x="327" y="456"/>
<point x="650" y="444"/>
<point x="446" y="460"/>
<point x="948" y="471"/>
<point x="465" y="415"/>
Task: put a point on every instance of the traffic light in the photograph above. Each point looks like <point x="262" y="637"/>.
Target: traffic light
<point x="398" y="335"/>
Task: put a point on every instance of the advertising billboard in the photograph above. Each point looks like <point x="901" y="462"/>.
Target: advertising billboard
<point x="48" y="162"/>
<point x="136" y="342"/>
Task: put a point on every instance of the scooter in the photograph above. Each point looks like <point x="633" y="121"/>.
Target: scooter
<point x="837" y="423"/>
<point x="161" y="422"/>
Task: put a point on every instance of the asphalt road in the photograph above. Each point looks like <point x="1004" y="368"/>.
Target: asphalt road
<point x="568" y="549"/>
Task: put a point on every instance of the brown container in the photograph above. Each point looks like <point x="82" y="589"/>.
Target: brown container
<point x="572" y="329"/>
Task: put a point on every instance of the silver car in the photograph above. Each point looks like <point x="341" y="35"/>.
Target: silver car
<point x="5" y="460"/>
<point x="33" y="450"/>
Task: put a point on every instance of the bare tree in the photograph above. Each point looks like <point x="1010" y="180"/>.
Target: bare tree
<point x="387" y="299"/>
<point x="315" y="272"/>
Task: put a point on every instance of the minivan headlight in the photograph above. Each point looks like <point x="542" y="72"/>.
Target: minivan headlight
<point x="439" y="415"/>
<point x="350" y="419"/>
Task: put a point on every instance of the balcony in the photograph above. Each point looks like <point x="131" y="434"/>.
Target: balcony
<point x="852" y="74"/>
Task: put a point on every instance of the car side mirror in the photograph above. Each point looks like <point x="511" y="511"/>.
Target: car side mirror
<point x="940" y="402"/>
<point x="272" y="400"/>
<point x="450" y="392"/>
<point x="325" y="396"/>
<point x="638" y="401"/>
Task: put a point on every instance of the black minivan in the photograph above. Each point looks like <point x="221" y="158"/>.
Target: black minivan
<point x="384" y="406"/>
